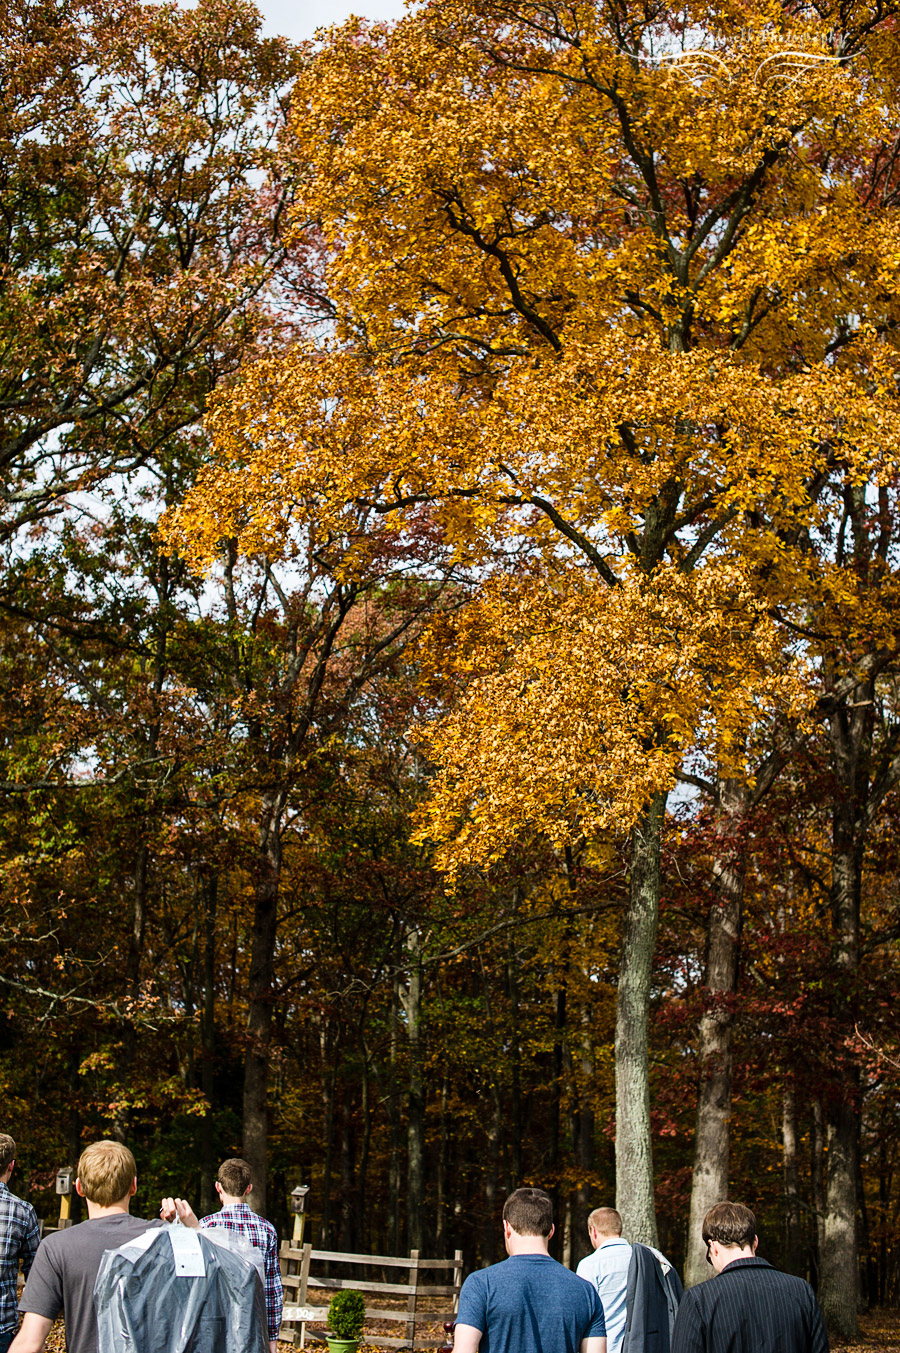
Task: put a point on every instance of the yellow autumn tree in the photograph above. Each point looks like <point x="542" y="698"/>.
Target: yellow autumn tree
<point x="616" y="290"/>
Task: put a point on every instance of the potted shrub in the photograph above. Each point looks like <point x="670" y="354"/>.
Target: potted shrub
<point x="346" y="1317"/>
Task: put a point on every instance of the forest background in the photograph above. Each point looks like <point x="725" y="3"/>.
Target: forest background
<point x="448" y="612"/>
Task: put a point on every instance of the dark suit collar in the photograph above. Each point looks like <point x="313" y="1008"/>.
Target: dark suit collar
<point x="746" y="1263"/>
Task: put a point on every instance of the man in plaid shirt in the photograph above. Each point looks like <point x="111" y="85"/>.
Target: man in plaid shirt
<point x="19" y="1239"/>
<point x="232" y="1185"/>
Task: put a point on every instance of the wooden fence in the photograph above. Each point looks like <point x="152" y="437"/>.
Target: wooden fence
<point x="303" y="1272"/>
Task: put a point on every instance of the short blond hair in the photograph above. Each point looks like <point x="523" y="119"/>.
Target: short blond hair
<point x="605" y="1221"/>
<point x="106" y="1170"/>
<point x="7" y="1151"/>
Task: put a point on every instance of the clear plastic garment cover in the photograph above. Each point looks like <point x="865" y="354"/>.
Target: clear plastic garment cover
<point x="178" y="1290"/>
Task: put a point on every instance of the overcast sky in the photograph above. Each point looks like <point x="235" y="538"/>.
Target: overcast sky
<point x="301" y="18"/>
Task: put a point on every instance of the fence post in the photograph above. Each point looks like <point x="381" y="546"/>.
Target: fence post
<point x="301" y="1290"/>
<point x="411" y="1303"/>
<point x="457" y="1277"/>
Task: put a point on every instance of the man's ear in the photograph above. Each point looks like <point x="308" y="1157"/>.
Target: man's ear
<point x="133" y="1190"/>
<point x="218" y="1188"/>
<point x="248" y="1189"/>
<point x="78" y="1189"/>
<point x="755" y="1243"/>
<point x="551" y="1233"/>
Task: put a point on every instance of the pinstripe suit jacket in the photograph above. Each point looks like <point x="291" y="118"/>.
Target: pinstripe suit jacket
<point x="750" y="1307"/>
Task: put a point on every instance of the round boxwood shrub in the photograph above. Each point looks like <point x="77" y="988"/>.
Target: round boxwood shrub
<point x="347" y="1314"/>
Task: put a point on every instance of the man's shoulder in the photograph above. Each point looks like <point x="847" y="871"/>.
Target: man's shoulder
<point x="12" y="1200"/>
<point x="756" y="1274"/>
<point x="756" y="1268"/>
<point x="239" y="1219"/>
<point x="70" y="1237"/>
<point x="107" y="1232"/>
<point x="58" y="1247"/>
<point x="532" y="1270"/>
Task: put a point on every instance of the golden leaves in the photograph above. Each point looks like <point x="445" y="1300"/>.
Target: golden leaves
<point x="617" y="309"/>
<point x="599" y="432"/>
<point x="600" y="694"/>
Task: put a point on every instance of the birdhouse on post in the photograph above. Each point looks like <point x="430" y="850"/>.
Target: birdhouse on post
<point x="297" y="1203"/>
<point x="64" y="1189"/>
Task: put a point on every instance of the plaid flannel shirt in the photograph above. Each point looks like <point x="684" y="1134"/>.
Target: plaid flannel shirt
<point x="261" y="1233"/>
<point x="19" y="1239"/>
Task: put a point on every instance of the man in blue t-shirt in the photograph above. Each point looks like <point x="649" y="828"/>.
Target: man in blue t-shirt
<point x="529" y="1303"/>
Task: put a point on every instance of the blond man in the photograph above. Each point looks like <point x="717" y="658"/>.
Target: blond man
<point x="65" y="1267"/>
<point x="606" y="1269"/>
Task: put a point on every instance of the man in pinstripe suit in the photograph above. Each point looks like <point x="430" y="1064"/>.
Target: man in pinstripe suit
<point x="749" y="1306"/>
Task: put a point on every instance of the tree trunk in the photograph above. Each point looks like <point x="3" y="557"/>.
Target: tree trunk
<point x="567" y="1223"/>
<point x="260" y="997"/>
<point x="709" y="1183"/>
<point x="363" y="1171"/>
<point x="346" y="1240"/>
<point x="793" y="1244"/>
<point x="515" y="1070"/>
<point x="394" y="1159"/>
<point x="132" y="974"/>
<point x="839" y="1291"/>
<point x="869" y="1287"/>
<point x="209" y="893"/>
<point x="585" y="1157"/>
<point x="851" y="750"/>
<point x="817" y="1172"/>
<point x="634" y="1147"/>
<point x="415" y="1180"/>
<point x="490" y="1229"/>
<point x="329" y="1074"/>
<point x="440" y="1228"/>
<point x="559" y="1036"/>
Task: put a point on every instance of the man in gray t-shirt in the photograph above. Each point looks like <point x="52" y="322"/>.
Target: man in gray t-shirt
<point x="65" y="1267"/>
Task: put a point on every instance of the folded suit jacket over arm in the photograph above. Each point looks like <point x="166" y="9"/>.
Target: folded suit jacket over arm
<point x="651" y="1301"/>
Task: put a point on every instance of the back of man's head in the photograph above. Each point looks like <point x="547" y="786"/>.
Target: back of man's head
<point x="605" y="1221"/>
<point x="234" y="1176"/>
<point x="529" y="1212"/>
<point x="105" y="1172"/>
<point x="729" y="1224"/>
<point x="7" y="1152"/>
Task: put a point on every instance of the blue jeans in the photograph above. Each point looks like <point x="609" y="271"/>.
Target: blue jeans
<point x="6" y="1338"/>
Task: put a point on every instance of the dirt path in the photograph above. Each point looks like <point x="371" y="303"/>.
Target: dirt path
<point x="880" y="1334"/>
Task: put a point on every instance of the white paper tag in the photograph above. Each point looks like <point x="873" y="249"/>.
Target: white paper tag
<point x="187" y="1252"/>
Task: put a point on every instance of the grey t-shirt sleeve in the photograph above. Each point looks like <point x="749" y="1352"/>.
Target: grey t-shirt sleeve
<point x="472" y="1303"/>
<point x="43" y="1293"/>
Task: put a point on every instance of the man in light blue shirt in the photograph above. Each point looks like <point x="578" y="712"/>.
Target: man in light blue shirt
<point x="607" y="1271"/>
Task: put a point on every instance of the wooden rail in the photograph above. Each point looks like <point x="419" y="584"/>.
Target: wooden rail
<point x="301" y="1282"/>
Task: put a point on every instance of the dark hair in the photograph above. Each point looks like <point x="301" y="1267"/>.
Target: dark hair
<point x="529" y="1212"/>
<point x="7" y="1152"/>
<point x="729" y="1224"/>
<point x="234" y="1176"/>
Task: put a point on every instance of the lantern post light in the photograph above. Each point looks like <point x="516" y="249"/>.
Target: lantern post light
<point x="298" y="1207"/>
